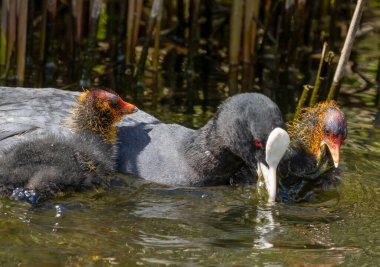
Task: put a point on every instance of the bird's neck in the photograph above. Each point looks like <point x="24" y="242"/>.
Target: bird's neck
<point x="210" y="158"/>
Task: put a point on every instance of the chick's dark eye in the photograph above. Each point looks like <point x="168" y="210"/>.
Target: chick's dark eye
<point x="344" y="134"/>
<point x="326" y="131"/>
<point x="114" y="101"/>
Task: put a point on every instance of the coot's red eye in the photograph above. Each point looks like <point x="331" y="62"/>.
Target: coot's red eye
<point x="257" y="143"/>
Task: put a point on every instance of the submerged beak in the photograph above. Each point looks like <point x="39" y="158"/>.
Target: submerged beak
<point x="334" y="148"/>
<point x="270" y="181"/>
<point x="277" y="143"/>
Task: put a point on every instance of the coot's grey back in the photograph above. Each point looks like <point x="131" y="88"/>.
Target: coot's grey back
<point x="27" y="112"/>
<point x="153" y="151"/>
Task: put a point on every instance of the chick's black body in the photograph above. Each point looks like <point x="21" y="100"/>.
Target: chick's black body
<point x="303" y="176"/>
<point x="56" y="164"/>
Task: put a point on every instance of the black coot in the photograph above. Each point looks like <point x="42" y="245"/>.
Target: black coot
<point x="212" y="155"/>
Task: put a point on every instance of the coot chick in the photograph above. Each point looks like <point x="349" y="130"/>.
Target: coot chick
<point x="39" y="168"/>
<point x="311" y="162"/>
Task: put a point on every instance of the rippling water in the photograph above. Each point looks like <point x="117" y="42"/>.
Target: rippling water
<point x="149" y="224"/>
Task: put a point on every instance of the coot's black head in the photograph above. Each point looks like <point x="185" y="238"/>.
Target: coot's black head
<point x="245" y="121"/>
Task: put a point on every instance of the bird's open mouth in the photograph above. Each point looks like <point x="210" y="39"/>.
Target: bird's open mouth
<point x="333" y="149"/>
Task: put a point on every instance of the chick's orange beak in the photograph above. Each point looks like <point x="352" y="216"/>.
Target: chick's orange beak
<point x="127" y="108"/>
<point x="334" y="143"/>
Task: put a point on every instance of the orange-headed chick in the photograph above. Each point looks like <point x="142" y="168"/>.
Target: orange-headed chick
<point x="306" y="167"/>
<point x="98" y="111"/>
<point x="323" y="124"/>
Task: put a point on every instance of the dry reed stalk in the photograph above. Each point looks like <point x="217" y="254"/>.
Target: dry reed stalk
<point x="3" y="35"/>
<point x="192" y="51"/>
<point x="136" y="24"/>
<point x="130" y="27"/>
<point x="95" y="9"/>
<point x="235" y="31"/>
<point x="303" y="99"/>
<point x="22" y="19"/>
<point x="144" y="53"/>
<point x="248" y="27"/>
<point x="249" y="40"/>
<point x="346" y="50"/>
<point x="12" y="15"/>
<point x="316" y="90"/>
<point x="78" y="15"/>
<point x="235" y="40"/>
<point x="255" y="19"/>
<point x="156" y="53"/>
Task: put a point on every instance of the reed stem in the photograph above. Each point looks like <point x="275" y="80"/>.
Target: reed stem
<point x="346" y="50"/>
<point x="121" y="83"/>
<point x="156" y="53"/>
<point x="249" y="37"/>
<point x="144" y="53"/>
<point x="192" y="52"/>
<point x="95" y="9"/>
<point x="303" y="99"/>
<point x="12" y="15"/>
<point x="235" y="31"/>
<point x="136" y="24"/>
<point x="130" y="27"/>
<point x="49" y="57"/>
<point x="235" y="39"/>
<point x="22" y="26"/>
<point x="3" y="36"/>
<point x="316" y="90"/>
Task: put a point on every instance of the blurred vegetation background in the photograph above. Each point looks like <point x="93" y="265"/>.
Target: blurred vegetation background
<point x="182" y="51"/>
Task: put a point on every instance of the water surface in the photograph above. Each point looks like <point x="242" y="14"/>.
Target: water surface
<point x="150" y="224"/>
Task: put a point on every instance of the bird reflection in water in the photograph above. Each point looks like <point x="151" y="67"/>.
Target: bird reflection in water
<point x="266" y="226"/>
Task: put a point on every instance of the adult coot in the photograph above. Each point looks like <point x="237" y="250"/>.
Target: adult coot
<point x="311" y="162"/>
<point x="175" y="155"/>
<point x="41" y="167"/>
